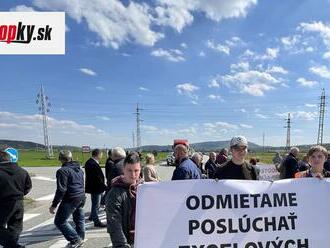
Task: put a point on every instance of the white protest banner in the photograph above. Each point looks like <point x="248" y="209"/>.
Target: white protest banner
<point x="233" y="214"/>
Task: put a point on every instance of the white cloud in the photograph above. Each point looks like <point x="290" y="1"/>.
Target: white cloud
<point x="143" y="88"/>
<point x="113" y="22"/>
<point x="218" y="47"/>
<point x="310" y="105"/>
<point x="22" y="8"/>
<point x="189" y="90"/>
<point x="243" y="110"/>
<point x="317" y="27"/>
<point x="326" y="55"/>
<point x="194" y="102"/>
<point x="235" y="42"/>
<point x="149" y="128"/>
<point x="201" y="54"/>
<point x="88" y="71"/>
<point x="301" y="115"/>
<point x="241" y="66"/>
<point x="270" y="54"/>
<point x="306" y="83"/>
<point x="254" y="83"/>
<point x="245" y="126"/>
<point x="214" y="97"/>
<point x="289" y="42"/>
<point x="213" y="83"/>
<point x="178" y="14"/>
<point x="100" y="88"/>
<point x="117" y="23"/>
<point x="103" y="118"/>
<point x="173" y="55"/>
<point x="321" y="71"/>
<point x="183" y="45"/>
<point x="277" y="69"/>
<point x="14" y="126"/>
<point x="261" y="116"/>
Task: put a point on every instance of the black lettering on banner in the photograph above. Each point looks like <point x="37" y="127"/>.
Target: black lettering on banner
<point x="206" y="229"/>
<point x="193" y="225"/>
<point x="207" y="201"/>
<point x="189" y="202"/>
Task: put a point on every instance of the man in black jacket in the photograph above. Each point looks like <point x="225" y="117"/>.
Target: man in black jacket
<point x="15" y="182"/>
<point x="70" y="194"/>
<point x="118" y="155"/>
<point x="289" y="166"/>
<point x="95" y="185"/>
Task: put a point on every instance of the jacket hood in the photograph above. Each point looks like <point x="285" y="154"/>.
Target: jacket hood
<point x="73" y="165"/>
<point x="9" y="167"/>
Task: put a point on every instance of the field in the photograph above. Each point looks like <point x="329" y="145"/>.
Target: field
<point x="37" y="158"/>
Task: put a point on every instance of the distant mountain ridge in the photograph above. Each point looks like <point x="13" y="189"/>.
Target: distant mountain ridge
<point x="201" y="146"/>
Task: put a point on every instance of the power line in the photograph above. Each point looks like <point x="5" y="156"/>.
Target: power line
<point x="138" y="127"/>
<point x="44" y="108"/>
<point x="288" y="127"/>
<point x="321" y="118"/>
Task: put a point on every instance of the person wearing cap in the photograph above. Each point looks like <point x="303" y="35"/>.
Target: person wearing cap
<point x="15" y="182"/>
<point x="237" y="167"/>
<point x="186" y="168"/>
<point x="70" y="196"/>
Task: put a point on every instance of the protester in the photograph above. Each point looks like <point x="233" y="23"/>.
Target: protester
<point x="303" y="164"/>
<point x="210" y="165"/>
<point x="237" y="167"/>
<point x="118" y="155"/>
<point x="149" y="171"/>
<point x="108" y="164"/>
<point x="70" y="194"/>
<point x="15" y="182"/>
<point x="289" y="165"/>
<point x="121" y="203"/>
<point x="222" y="156"/>
<point x="95" y="185"/>
<point x="327" y="163"/>
<point x="186" y="168"/>
<point x="316" y="155"/>
<point x="277" y="160"/>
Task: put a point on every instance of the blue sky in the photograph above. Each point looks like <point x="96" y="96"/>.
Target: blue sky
<point x="201" y="70"/>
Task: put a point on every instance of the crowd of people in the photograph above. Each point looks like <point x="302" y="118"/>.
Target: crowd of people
<point x="116" y="190"/>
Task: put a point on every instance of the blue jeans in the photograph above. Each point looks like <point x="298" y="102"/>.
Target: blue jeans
<point x="96" y="199"/>
<point x="65" y="210"/>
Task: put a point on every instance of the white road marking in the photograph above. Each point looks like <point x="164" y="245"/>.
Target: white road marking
<point x="45" y="223"/>
<point x="59" y="244"/>
<point x="46" y="198"/>
<point x="29" y="216"/>
<point x="44" y="178"/>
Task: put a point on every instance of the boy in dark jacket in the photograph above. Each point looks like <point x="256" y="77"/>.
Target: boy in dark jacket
<point x="70" y="194"/>
<point x="121" y="204"/>
<point x="15" y="182"/>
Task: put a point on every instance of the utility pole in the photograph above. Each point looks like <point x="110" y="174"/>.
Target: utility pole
<point x="138" y="127"/>
<point x="321" y="118"/>
<point x="44" y="108"/>
<point x="133" y="137"/>
<point x="288" y="127"/>
<point x="263" y="141"/>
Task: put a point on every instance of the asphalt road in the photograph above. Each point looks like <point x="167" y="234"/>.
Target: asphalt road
<point x="39" y="230"/>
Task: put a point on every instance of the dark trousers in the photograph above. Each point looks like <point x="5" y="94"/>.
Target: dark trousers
<point x="96" y="200"/>
<point x="64" y="211"/>
<point x="11" y="222"/>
